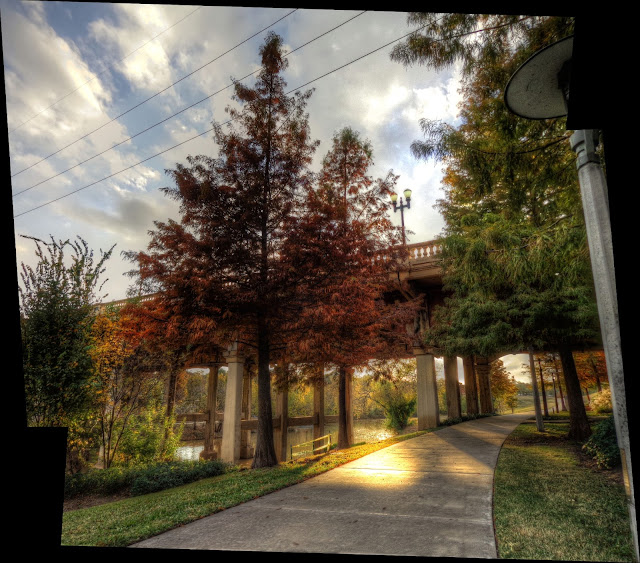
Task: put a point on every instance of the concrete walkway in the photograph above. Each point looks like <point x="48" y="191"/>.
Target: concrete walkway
<point x="430" y="496"/>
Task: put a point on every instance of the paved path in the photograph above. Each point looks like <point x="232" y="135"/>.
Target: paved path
<point x="430" y="496"/>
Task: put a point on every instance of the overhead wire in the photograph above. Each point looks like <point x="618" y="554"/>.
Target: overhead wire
<point x="103" y="71"/>
<point x="208" y="130"/>
<point x="154" y="95"/>
<point x="225" y="123"/>
<point x="178" y="112"/>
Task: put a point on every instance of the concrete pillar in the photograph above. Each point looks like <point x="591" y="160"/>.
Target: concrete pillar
<point x="280" y="434"/>
<point x="470" y="386"/>
<point x="210" y="425"/>
<point x="230" y="450"/>
<point x="246" y="449"/>
<point x="452" y="389"/>
<point x="318" y="404"/>
<point x="484" y="384"/>
<point x="427" y="393"/>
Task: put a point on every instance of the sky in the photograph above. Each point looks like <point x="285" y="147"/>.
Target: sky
<point x="85" y="80"/>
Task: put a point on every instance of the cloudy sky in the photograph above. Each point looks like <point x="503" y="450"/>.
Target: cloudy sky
<point x="86" y="84"/>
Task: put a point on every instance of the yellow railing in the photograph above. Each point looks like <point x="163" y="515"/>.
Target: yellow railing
<point x="310" y="448"/>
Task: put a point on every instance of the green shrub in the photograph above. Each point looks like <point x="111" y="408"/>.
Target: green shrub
<point x="603" y="445"/>
<point x="398" y="411"/>
<point x="173" y="474"/>
<point x="149" y="437"/>
<point x="140" y="480"/>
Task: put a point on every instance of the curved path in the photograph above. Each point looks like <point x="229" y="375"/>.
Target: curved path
<point x="430" y="496"/>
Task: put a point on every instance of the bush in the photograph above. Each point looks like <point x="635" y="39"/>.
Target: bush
<point x="398" y="411"/>
<point x="173" y="474"/>
<point x="603" y="445"/>
<point x="602" y="402"/>
<point x="149" y="437"/>
<point x="140" y="480"/>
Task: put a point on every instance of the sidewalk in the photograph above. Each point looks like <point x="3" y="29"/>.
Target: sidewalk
<point x="430" y="496"/>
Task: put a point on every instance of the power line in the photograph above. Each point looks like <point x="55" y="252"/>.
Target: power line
<point x="211" y="129"/>
<point x="154" y="95"/>
<point x="179" y="112"/>
<point x="102" y="72"/>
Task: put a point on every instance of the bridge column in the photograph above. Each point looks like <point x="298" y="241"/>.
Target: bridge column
<point x="280" y="433"/>
<point x="470" y="386"/>
<point x="246" y="449"/>
<point x="452" y="387"/>
<point x="318" y="404"/>
<point x="428" y="412"/>
<point x="484" y="384"/>
<point x="210" y="425"/>
<point x="230" y="450"/>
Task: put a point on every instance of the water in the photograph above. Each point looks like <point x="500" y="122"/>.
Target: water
<point x="364" y="430"/>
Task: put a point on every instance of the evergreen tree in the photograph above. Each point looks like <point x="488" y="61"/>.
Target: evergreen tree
<point x="515" y="258"/>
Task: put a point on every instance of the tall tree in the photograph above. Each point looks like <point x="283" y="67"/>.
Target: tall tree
<point x="342" y="237"/>
<point x="221" y="267"/>
<point x="515" y="254"/>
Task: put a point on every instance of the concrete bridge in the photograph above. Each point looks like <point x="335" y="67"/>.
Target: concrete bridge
<point x="424" y="277"/>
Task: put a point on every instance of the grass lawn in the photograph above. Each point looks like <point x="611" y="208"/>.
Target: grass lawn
<point x="550" y="503"/>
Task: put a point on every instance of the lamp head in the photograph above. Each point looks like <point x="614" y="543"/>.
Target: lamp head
<point x="539" y="89"/>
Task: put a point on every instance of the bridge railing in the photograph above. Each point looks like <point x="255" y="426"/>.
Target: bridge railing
<point x="424" y="250"/>
<point x="428" y="250"/>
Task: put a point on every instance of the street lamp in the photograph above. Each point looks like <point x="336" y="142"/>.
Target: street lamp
<point x="401" y="207"/>
<point x="539" y="89"/>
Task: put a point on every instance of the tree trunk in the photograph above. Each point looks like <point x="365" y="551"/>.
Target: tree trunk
<point x="555" y="392"/>
<point x="343" y="437"/>
<point x="543" y="390"/>
<point x="265" y="454"/>
<point x="536" y="397"/>
<point x="579" y="428"/>
<point x="555" y="363"/>
<point x="596" y="374"/>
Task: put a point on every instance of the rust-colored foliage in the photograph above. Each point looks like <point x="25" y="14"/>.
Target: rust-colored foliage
<point x="346" y="238"/>
<point x="219" y="270"/>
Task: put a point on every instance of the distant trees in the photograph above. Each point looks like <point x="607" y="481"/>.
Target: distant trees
<point x="504" y="390"/>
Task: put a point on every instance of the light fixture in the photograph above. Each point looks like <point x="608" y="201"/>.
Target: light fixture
<point x="539" y="89"/>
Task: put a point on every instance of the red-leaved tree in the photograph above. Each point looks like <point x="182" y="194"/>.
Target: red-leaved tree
<point x="347" y="239"/>
<point x="220" y="269"/>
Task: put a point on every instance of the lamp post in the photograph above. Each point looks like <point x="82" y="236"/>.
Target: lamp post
<point x="539" y="89"/>
<point x="401" y="207"/>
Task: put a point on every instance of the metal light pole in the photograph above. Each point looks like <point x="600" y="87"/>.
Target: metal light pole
<point x="539" y="89"/>
<point x="401" y="207"/>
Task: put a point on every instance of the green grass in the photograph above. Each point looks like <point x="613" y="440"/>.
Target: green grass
<point x="127" y="521"/>
<point x="549" y="505"/>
